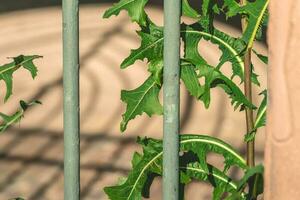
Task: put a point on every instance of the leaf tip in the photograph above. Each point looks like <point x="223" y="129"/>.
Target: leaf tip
<point x="123" y="126"/>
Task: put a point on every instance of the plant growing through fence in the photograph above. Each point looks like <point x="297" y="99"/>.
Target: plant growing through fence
<point x="6" y="75"/>
<point x="194" y="148"/>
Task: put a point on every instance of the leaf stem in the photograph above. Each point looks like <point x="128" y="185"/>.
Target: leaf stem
<point x="250" y="157"/>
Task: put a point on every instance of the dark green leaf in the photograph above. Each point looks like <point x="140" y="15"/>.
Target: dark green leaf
<point x="254" y="178"/>
<point x="263" y="58"/>
<point x="7" y="70"/>
<point x="144" y="99"/>
<point x="202" y="144"/>
<point x="188" y="11"/>
<point x="231" y="7"/>
<point x="232" y="48"/>
<point x="151" y="46"/>
<point x="190" y="79"/>
<point x="260" y="120"/>
<point x="151" y="162"/>
<point x="213" y="78"/>
<point x="156" y="69"/>
<point x="256" y="14"/>
<point x="16" y="117"/>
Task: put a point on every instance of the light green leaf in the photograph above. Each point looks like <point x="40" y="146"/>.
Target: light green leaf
<point x="135" y="9"/>
<point x="7" y="70"/>
<point x="8" y="120"/>
<point x="144" y="99"/>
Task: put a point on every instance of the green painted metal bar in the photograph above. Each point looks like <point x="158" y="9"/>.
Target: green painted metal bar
<point x="172" y="13"/>
<point x="71" y="99"/>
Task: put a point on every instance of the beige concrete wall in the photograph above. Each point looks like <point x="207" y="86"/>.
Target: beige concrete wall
<point x="283" y="127"/>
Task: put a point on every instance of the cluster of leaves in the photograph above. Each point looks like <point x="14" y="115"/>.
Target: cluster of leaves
<point x="6" y="75"/>
<point x="145" y="98"/>
<point x="193" y="166"/>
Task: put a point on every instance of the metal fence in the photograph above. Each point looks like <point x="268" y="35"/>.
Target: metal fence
<point x="71" y="99"/>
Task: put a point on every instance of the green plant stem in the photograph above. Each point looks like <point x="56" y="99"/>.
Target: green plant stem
<point x="250" y="157"/>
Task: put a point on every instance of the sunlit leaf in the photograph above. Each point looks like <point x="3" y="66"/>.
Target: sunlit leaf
<point x="143" y="99"/>
<point x="7" y="70"/>
<point x="151" y="46"/>
<point x="151" y="162"/>
<point x="135" y="9"/>
<point x="8" y="120"/>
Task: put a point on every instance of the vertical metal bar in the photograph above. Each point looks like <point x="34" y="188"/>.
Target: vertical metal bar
<point x="71" y="100"/>
<point x="172" y="12"/>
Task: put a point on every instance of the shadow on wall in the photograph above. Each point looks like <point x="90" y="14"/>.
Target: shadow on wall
<point x="12" y="5"/>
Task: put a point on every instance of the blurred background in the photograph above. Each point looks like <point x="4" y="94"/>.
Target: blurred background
<point x="31" y="153"/>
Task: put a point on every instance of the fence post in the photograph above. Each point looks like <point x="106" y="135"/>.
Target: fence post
<point x="171" y="96"/>
<point x="71" y="100"/>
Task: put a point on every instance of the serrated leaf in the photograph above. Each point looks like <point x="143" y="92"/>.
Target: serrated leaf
<point x="260" y="120"/>
<point x="213" y="78"/>
<point x="209" y="9"/>
<point x="263" y="58"/>
<point x="190" y="79"/>
<point x="135" y="9"/>
<point x="232" y="48"/>
<point x="144" y="99"/>
<point x="151" y="46"/>
<point x="204" y="143"/>
<point x="151" y="162"/>
<point x="257" y="16"/>
<point x="254" y="178"/>
<point x="215" y="177"/>
<point x="188" y="11"/>
<point x="137" y="177"/>
<point x="136" y="159"/>
<point x="8" y="120"/>
<point x="7" y="70"/>
<point x="156" y="69"/>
